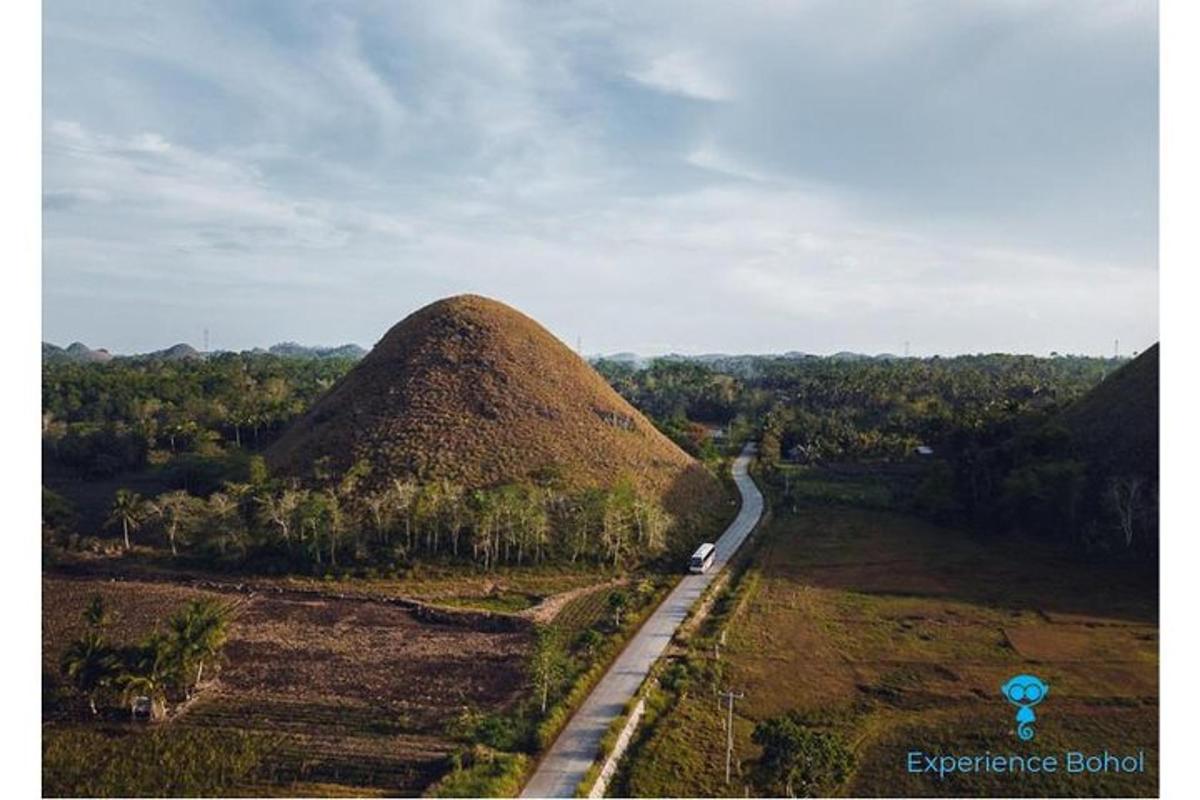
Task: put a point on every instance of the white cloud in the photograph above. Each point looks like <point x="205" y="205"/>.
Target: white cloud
<point x="682" y="73"/>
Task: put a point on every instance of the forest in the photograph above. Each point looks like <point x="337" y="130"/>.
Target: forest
<point x="978" y="441"/>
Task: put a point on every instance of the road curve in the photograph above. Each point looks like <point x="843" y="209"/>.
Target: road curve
<point x="564" y="765"/>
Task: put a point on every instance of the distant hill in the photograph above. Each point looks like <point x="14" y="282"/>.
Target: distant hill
<point x="176" y="352"/>
<point x="1116" y="424"/>
<point x="76" y="352"/>
<point x="473" y="391"/>
<point x="294" y="350"/>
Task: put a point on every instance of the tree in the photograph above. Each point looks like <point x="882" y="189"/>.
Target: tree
<point x="174" y="510"/>
<point x="548" y="662"/>
<point x="797" y="761"/>
<point x="1125" y="496"/>
<point x="618" y="601"/>
<point x="200" y="631"/>
<point x="280" y="511"/>
<point x="129" y="510"/>
<point x="90" y="665"/>
<point x="152" y="668"/>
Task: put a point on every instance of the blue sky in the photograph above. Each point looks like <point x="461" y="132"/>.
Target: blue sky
<point x="737" y="177"/>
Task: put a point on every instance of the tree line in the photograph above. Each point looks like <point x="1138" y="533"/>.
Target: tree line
<point x="354" y="520"/>
<point x="102" y="419"/>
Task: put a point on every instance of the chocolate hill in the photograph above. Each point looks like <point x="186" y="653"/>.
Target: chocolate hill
<point x="1116" y="424"/>
<point x="471" y="390"/>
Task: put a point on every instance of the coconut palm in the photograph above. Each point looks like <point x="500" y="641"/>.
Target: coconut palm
<point x="129" y="510"/>
<point x="153" y="668"/>
<point x="198" y="634"/>
<point x="90" y="664"/>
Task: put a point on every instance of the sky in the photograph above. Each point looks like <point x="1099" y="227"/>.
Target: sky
<point x="651" y="177"/>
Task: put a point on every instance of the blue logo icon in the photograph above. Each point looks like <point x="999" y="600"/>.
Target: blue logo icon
<point x="1025" y="692"/>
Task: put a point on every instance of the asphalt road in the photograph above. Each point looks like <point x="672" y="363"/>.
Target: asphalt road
<point x="564" y="765"/>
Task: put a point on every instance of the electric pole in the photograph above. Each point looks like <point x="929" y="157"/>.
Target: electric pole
<point x="729" y="696"/>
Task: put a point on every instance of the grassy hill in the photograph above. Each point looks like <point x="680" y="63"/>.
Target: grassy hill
<point x="470" y="390"/>
<point x="1116" y="424"/>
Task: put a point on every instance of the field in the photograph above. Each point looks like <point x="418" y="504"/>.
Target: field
<point x="346" y="695"/>
<point x="896" y="635"/>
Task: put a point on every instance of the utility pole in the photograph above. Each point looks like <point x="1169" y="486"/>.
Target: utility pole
<point x="729" y="696"/>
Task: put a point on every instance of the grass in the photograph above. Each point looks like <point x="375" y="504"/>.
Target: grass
<point x="87" y="762"/>
<point x="496" y="775"/>
<point x="895" y="635"/>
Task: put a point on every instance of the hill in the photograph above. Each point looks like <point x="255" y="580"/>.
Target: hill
<point x="77" y="352"/>
<point x="470" y="390"/>
<point x="176" y="352"/>
<point x="1116" y="424"/>
<point x="294" y="350"/>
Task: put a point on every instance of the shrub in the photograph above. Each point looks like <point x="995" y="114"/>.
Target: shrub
<point x="797" y="761"/>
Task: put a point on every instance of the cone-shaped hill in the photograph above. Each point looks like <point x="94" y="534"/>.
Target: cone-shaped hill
<point x="470" y="390"/>
<point x="1116" y="424"/>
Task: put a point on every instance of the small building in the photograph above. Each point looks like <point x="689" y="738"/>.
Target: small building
<point x="924" y="450"/>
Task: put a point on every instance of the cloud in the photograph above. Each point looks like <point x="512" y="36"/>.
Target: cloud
<point x="683" y="74"/>
<point x="670" y="176"/>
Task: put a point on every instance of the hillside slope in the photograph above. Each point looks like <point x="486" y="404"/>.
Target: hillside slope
<point x="1116" y="424"/>
<point x="471" y="390"/>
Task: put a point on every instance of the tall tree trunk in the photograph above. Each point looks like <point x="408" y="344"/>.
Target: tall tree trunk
<point x="125" y="530"/>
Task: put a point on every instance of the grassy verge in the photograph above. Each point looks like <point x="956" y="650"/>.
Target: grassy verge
<point x="491" y="774"/>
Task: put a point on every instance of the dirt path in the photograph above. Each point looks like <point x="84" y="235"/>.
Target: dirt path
<point x="545" y="612"/>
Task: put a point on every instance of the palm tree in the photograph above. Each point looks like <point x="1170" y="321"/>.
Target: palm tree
<point x="199" y="632"/>
<point x="174" y="509"/>
<point x="90" y="665"/>
<point x="154" y="667"/>
<point x="129" y="510"/>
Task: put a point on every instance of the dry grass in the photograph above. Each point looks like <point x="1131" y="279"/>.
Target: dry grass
<point x="898" y="635"/>
<point x="473" y="391"/>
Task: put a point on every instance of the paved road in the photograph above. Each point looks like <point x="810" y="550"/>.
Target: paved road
<point x="563" y="767"/>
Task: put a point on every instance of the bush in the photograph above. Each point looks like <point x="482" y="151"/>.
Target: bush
<point x="797" y="761"/>
<point x="480" y="772"/>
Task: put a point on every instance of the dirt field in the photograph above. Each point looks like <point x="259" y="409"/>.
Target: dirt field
<point x="358" y="693"/>
<point x="897" y="635"/>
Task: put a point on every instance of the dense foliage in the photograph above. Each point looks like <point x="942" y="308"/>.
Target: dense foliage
<point x="103" y="419"/>
<point x="998" y="456"/>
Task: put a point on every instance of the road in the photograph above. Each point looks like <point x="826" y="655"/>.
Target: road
<point x="562" y="769"/>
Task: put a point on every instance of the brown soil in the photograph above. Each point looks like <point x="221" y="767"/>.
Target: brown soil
<point x="358" y="692"/>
